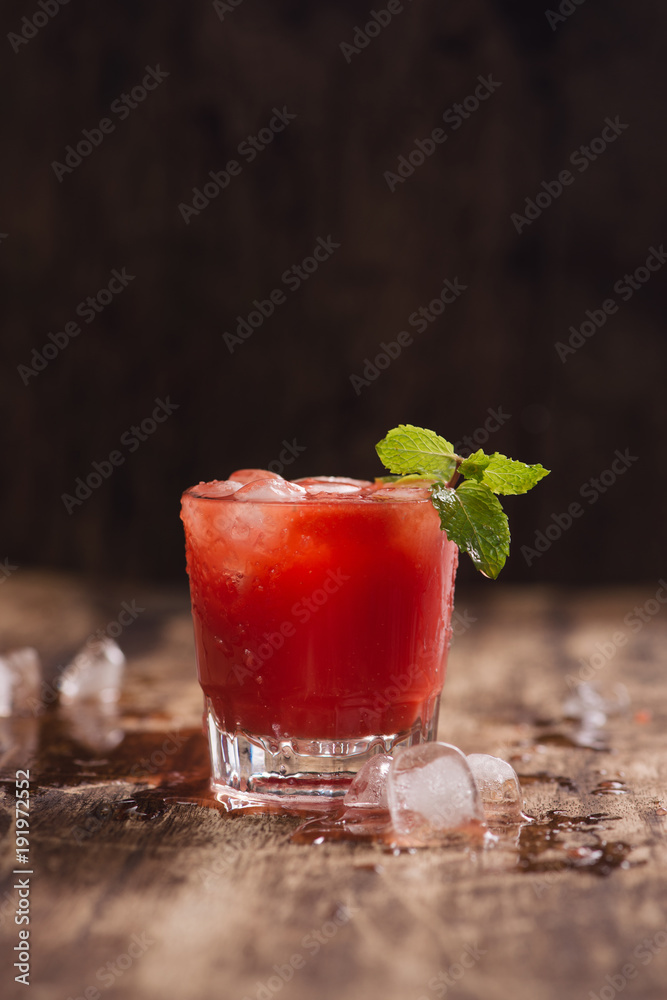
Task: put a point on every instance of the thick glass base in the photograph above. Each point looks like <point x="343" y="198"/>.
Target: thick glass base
<point x="247" y="769"/>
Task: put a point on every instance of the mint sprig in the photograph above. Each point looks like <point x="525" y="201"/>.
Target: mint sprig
<point x="470" y="513"/>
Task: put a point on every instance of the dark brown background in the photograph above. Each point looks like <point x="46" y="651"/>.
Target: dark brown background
<point x="324" y="175"/>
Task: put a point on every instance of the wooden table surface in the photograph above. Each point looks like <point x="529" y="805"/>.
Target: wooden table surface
<point x="143" y="889"/>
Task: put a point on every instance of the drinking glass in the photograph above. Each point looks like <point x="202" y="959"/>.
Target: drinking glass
<point x="322" y="622"/>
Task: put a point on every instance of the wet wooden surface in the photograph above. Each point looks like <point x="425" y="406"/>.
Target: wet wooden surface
<point x="142" y="889"/>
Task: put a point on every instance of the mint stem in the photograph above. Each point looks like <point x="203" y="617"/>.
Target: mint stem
<point x="457" y="475"/>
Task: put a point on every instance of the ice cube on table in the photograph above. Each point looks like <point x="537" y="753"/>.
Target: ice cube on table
<point x="591" y="704"/>
<point x="93" y="724"/>
<point x="20" y="682"/>
<point x="244" y="476"/>
<point x="95" y="674"/>
<point x="498" y="786"/>
<point x="431" y="789"/>
<point x="19" y="740"/>
<point x="369" y="787"/>
<point x="271" y="491"/>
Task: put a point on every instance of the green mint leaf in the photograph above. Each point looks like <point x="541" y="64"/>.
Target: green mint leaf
<point x="506" y="475"/>
<point x="474" y="465"/>
<point x="410" y="450"/>
<point x="473" y="519"/>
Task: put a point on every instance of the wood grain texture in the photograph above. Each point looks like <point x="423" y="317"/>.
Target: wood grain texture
<point x="218" y="904"/>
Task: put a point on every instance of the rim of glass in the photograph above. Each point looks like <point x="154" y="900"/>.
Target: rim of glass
<point x="342" y="499"/>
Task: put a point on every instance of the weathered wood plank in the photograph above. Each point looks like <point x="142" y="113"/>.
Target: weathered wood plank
<point x="221" y="904"/>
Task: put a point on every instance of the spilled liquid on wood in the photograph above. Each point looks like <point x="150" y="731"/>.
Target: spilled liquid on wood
<point x="543" y="845"/>
<point x="170" y="768"/>
<point x="543" y="777"/>
<point x="369" y="826"/>
<point x="611" y="788"/>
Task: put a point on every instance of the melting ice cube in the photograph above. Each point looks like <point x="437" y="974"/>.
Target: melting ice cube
<point x="252" y="475"/>
<point x="369" y="788"/>
<point x="19" y="739"/>
<point x="20" y="680"/>
<point x="217" y="488"/>
<point x="94" y="674"/>
<point x="333" y="480"/>
<point x="333" y="489"/>
<point x="498" y="786"/>
<point x="334" y="485"/>
<point x="431" y="789"/>
<point x="591" y="705"/>
<point x="270" y="490"/>
<point x="94" y="725"/>
<point x="397" y="493"/>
